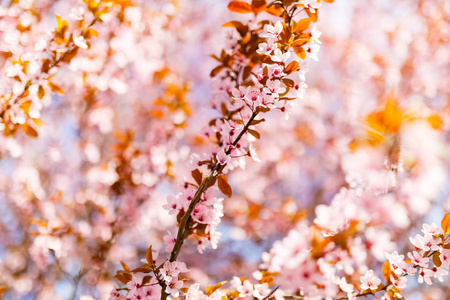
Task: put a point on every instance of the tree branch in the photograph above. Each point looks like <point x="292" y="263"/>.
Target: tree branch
<point x="182" y="229"/>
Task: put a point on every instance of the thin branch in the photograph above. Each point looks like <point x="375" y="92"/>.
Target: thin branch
<point x="182" y="229"/>
<point x="271" y="293"/>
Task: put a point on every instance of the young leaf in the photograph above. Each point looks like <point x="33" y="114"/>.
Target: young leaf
<point x="312" y="16"/>
<point x="436" y="260"/>
<point x="197" y="175"/>
<point x="300" y="52"/>
<point x="445" y="224"/>
<point x="291" y="67"/>
<point x="124" y="266"/>
<point x="254" y="133"/>
<point x="146" y="279"/>
<point x="241" y="28"/>
<point x="122" y="277"/>
<point x="224" y="186"/>
<point x="55" y="88"/>
<point x="211" y="183"/>
<point x="386" y="270"/>
<point x="211" y="289"/>
<point x="41" y="92"/>
<point x="30" y="131"/>
<point x="258" y="6"/>
<point x="275" y="9"/>
<point x="256" y="122"/>
<point x="216" y="70"/>
<point x="149" y="255"/>
<point x="302" y="25"/>
<point x="240" y="7"/>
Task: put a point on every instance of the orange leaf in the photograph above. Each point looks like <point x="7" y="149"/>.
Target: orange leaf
<point x="55" y="88"/>
<point x="2" y="289"/>
<point x="312" y="16"/>
<point x="25" y="106"/>
<point x="240" y="7"/>
<point x="302" y="25"/>
<point x="445" y="224"/>
<point x="291" y="67"/>
<point x="435" y="121"/>
<point x="41" y="92"/>
<point x="224" y="186"/>
<point x="211" y="289"/>
<point x="30" y="131"/>
<point x="300" y="52"/>
<point x="386" y="270"/>
<point x="275" y="10"/>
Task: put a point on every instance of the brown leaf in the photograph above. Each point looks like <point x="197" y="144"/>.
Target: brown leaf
<point x="254" y="133"/>
<point x="445" y="224"/>
<point x="216" y="70"/>
<point x="240" y="7"/>
<point x="224" y="186"/>
<point x="45" y="65"/>
<point x="258" y="6"/>
<point x="247" y="72"/>
<point x="124" y="266"/>
<point x="211" y="183"/>
<point x="436" y="259"/>
<point x="146" y="279"/>
<point x="256" y="122"/>
<point x="143" y="269"/>
<point x="122" y="278"/>
<point x="149" y="255"/>
<point x="197" y="175"/>
<point x="241" y="28"/>
<point x="70" y="55"/>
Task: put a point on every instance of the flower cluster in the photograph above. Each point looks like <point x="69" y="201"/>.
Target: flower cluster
<point x="29" y="70"/>
<point x="431" y="259"/>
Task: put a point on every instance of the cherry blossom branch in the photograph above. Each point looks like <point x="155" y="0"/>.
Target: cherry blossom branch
<point x="54" y="64"/>
<point x="183" y="227"/>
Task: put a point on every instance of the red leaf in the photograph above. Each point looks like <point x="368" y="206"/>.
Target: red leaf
<point x="197" y="175"/>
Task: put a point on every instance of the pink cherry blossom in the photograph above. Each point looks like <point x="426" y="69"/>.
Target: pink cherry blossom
<point x="370" y="281"/>
<point x="246" y="289"/>
<point x="273" y="31"/>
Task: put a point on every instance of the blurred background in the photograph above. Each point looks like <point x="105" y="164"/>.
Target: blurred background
<point x="88" y="192"/>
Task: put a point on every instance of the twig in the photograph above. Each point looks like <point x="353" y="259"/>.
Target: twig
<point x="182" y="229"/>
